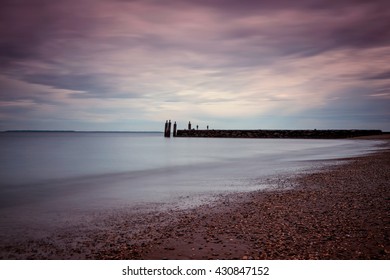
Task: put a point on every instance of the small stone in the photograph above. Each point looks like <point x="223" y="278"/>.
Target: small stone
<point x="169" y="248"/>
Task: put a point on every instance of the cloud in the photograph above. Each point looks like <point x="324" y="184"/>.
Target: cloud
<point x="380" y="76"/>
<point x="111" y="61"/>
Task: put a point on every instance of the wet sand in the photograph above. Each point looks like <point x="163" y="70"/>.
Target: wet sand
<point x="340" y="212"/>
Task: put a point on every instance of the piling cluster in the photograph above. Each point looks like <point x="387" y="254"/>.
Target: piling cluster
<point x="168" y="125"/>
<point x="167" y="130"/>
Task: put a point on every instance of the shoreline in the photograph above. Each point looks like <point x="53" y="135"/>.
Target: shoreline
<point x="338" y="212"/>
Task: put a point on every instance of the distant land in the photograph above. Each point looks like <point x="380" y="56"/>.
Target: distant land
<point x="39" y="131"/>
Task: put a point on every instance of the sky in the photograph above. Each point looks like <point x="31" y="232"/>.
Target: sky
<point x="133" y="64"/>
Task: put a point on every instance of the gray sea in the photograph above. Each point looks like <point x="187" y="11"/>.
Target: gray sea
<point x="52" y="178"/>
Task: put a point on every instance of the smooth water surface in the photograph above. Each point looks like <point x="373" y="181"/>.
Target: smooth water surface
<point x="46" y="175"/>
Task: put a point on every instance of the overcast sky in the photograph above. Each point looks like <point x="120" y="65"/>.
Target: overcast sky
<point x="131" y="65"/>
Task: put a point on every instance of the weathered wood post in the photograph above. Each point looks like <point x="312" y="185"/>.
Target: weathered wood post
<point x="166" y="129"/>
<point x="174" y="129"/>
<point x="169" y="129"/>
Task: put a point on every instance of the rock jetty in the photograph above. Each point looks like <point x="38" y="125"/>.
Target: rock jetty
<point x="305" y="134"/>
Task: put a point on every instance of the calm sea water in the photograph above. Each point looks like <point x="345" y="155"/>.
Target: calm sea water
<point x="46" y="175"/>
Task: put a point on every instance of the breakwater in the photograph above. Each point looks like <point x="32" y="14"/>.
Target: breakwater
<point x="305" y="134"/>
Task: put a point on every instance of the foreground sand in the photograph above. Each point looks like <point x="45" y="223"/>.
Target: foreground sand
<point x="340" y="212"/>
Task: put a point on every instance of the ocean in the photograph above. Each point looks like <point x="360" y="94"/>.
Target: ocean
<point x="54" y="178"/>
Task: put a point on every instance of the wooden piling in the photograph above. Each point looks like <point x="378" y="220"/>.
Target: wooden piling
<point x="169" y="129"/>
<point x="166" y="129"/>
<point x="174" y="129"/>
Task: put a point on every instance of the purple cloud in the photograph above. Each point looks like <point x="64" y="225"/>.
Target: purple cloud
<point x="193" y="59"/>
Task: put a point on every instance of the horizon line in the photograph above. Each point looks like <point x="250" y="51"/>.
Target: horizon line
<point x="84" y="131"/>
<point x="146" y="131"/>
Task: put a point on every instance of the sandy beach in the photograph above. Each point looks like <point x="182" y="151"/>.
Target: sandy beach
<point x="340" y="212"/>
